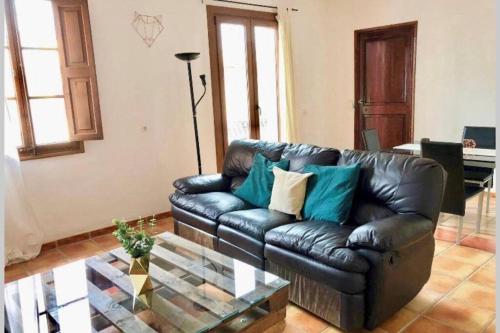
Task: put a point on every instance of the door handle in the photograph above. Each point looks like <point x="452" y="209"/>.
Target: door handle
<point x="259" y="110"/>
<point x="361" y="102"/>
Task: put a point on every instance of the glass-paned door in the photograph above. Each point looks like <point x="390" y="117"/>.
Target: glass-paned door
<point x="244" y="57"/>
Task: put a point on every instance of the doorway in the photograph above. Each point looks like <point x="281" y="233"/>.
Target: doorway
<point x="385" y="83"/>
<point x="244" y="70"/>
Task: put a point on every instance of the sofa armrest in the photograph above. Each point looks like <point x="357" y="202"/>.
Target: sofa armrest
<point x="203" y="184"/>
<point x="391" y="233"/>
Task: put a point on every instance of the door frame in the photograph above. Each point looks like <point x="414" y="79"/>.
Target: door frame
<point x="358" y="142"/>
<point x="215" y="72"/>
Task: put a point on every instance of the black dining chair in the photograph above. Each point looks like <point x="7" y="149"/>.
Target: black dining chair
<point x="371" y="143"/>
<point x="457" y="191"/>
<point x="482" y="137"/>
<point x="371" y="140"/>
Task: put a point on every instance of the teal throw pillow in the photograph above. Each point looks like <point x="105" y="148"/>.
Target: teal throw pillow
<point x="258" y="186"/>
<point x="330" y="192"/>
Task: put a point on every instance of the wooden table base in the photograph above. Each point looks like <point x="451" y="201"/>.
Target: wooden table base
<point x="268" y="316"/>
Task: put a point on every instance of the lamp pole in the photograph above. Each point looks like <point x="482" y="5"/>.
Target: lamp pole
<point x="195" y="120"/>
<point x="188" y="57"/>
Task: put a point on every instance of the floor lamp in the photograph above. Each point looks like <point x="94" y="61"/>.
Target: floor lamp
<point x="188" y="57"/>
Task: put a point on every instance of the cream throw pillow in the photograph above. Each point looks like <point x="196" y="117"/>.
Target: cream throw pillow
<point x="289" y="191"/>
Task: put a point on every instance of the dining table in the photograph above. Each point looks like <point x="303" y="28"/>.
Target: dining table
<point x="477" y="157"/>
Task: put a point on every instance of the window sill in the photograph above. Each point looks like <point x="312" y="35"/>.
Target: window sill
<point x="59" y="149"/>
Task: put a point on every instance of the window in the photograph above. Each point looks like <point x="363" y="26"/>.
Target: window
<point x="243" y="55"/>
<point x="50" y="81"/>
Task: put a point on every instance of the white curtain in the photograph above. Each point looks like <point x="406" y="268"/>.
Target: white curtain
<point x="23" y="236"/>
<point x="287" y="100"/>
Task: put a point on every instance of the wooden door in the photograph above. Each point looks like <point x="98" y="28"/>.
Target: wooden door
<point x="385" y="83"/>
<point x="244" y="67"/>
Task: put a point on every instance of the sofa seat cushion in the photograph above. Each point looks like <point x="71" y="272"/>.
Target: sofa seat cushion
<point x="346" y="282"/>
<point x="194" y="220"/>
<point x="241" y="233"/>
<point x="210" y="205"/>
<point x="241" y="240"/>
<point x="323" y="241"/>
<point x="255" y="222"/>
<point x="240" y="246"/>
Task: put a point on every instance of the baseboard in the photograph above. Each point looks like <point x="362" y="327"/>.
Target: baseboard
<point x="98" y="232"/>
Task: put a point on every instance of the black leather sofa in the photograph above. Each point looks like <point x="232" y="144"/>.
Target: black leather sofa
<point x="353" y="275"/>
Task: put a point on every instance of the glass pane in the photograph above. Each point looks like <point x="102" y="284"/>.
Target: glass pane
<point x="69" y="292"/>
<point x="35" y="20"/>
<point x="43" y="73"/>
<point x="49" y="120"/>
<point x="12" y="124"/>
<point x="265" y="50"/>
<point x="8" y="76"/>
<point x="234" y="57"/>
<point x="5" y="33"/>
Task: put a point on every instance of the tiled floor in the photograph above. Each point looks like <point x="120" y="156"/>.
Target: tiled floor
<point x="459" y="297"/>
<point x="71" y="252"/>
<point x="484" y="240"/>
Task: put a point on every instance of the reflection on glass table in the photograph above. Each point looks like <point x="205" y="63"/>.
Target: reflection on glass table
<point x="195" y="289"/>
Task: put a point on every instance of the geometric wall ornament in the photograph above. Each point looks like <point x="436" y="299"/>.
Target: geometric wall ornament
<point x="147" y="27"/>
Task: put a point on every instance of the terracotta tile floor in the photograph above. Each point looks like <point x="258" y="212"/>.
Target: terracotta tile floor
<point x="484" y="240"/>
<point x="74" y="251"/>
<point x="459" y="297"/>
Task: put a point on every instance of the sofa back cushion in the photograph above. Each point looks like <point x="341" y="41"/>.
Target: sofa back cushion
<point x="400" y="183"/>
<point x="236" y="182"/>
<point x="301" y="155"/>
<point x="240" y="155"/>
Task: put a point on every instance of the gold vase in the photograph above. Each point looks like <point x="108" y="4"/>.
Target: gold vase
<point x="139" y="275"/>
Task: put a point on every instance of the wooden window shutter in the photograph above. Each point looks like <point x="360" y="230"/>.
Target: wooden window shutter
<point x="78" y="69"/>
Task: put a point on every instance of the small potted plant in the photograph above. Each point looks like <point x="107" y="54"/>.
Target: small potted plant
<point x="138" y="244"/>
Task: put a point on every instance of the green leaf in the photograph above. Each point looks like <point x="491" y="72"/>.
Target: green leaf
<point x="137" y="243"/>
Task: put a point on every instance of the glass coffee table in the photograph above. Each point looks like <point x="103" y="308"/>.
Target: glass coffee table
<point x="195" y="289"/>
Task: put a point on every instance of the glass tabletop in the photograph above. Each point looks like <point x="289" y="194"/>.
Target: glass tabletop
<point x="195" y="289"/>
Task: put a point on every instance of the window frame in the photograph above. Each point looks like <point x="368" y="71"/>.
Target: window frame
<point x="29" y="149"/>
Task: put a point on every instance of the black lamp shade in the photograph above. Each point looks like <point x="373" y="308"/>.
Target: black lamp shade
<point x="187" y="56"/>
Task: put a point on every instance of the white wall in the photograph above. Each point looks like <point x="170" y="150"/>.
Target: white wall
<point x="455" y="70"/>
<point x="130" y="172"/>
<point x="313" y="71"/>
